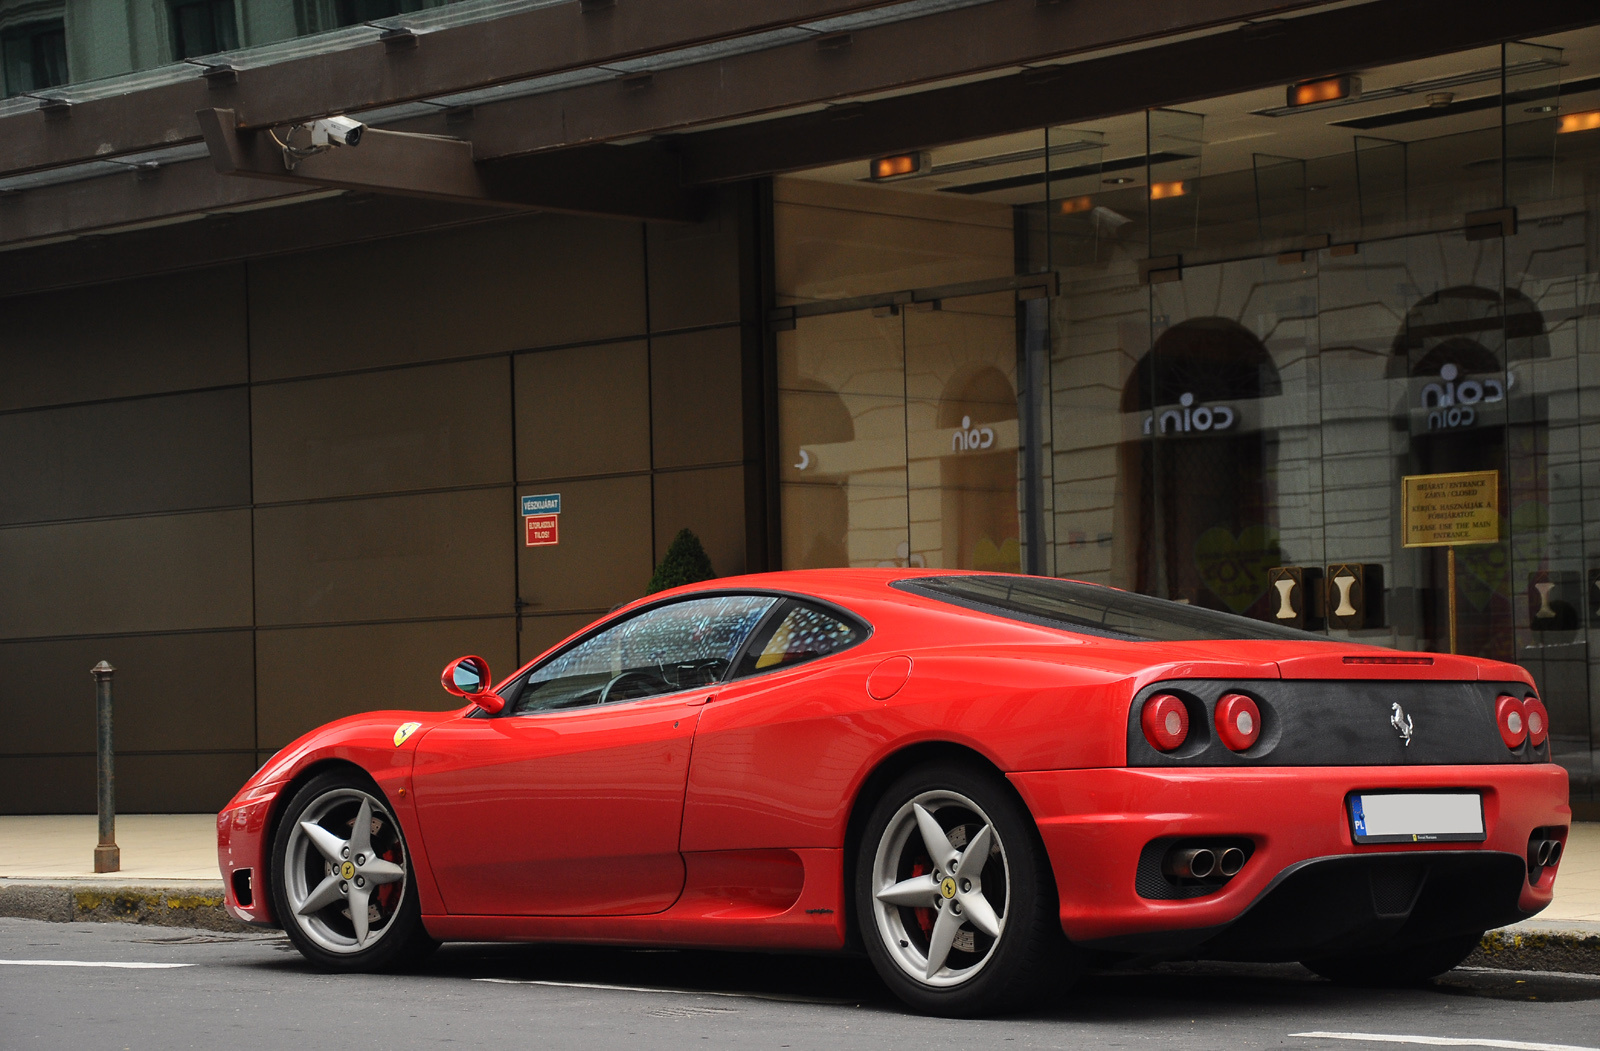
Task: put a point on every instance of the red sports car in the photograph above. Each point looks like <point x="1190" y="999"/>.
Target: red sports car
<point x="983" y="781"/>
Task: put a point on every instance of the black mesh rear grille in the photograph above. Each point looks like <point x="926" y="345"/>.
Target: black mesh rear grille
<point x="1395" y="886"/>
<point x="1342" y="723"/>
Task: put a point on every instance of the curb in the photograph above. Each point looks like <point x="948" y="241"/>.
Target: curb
<point x="1536" y="949"/>
<point x="198" y="905"/>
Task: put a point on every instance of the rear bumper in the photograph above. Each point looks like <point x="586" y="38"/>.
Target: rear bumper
<point x="1307" y="888"/>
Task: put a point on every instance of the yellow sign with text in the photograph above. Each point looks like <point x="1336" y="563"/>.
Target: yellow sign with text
<point x="1442" y="510"/>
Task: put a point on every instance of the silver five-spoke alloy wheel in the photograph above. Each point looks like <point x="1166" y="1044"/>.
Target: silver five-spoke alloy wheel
<point x="940" y="886"/>
<point x="345" y="870"/>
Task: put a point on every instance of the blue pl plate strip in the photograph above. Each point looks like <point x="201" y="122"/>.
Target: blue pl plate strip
<point x="544" y="504"/>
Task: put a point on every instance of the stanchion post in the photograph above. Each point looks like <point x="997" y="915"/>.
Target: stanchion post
<point x="107" y="858"/>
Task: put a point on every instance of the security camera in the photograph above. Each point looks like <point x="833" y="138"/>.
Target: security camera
<point x="336" y="131"/>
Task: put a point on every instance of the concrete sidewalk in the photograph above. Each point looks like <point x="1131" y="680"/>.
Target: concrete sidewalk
<point x="169" y="876"/>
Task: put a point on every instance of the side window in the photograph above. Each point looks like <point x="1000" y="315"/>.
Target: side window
<point x="804" y="633"/>
<point x="682" y="646"/>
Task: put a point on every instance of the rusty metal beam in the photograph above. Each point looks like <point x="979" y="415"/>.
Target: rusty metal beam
<point x="1163" y="75"/>
<point x="544" y="40"/>
<point x="384" y="162"/>
<point x="894" y="56"/>
<point x="216" y="239"/>
<point x="639" y="181"/>
<point x="128" y="199"/>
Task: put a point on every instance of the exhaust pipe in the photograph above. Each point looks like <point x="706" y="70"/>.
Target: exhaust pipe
<point x="1555" y="852"/>
<point x="1542" y="852"/>
<point x="1229" y="862"/>
<point x="1190" y="863"/>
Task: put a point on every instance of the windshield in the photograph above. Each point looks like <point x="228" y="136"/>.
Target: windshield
<point x="1095" y="610"/>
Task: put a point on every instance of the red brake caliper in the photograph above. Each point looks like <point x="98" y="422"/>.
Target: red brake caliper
<point x="924" y="916"/>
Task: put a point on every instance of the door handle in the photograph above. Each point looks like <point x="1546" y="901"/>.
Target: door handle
<point x="695" y="702"/>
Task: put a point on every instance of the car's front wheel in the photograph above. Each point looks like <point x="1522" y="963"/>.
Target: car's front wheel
<point x="342" y="885"/>
<point x="1390" y="967"/>
<point x="954" y="895"/>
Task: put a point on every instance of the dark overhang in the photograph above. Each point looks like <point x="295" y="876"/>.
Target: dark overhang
<point x="627" y="146"/>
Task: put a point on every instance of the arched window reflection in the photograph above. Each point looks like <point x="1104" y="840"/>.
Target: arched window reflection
<point x="1204" y="525"/>
<point x="978" y="475"/>
<point x="1458" y="349"/>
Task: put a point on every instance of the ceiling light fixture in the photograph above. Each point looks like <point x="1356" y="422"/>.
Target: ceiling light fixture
<point x="1117" y="180"/>
<point x="899" y="166"/>
<point x="1073" y="205"/>
<point x="1327" y="89"/>
<point x="1162" y="190"/>
<point x="1440" y="99"/>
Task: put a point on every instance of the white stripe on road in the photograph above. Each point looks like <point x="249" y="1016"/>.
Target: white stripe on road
<point x="89" y="963"/>
<point x="659" y="989"/>
<point x="1532" y="974"/>
<point x="1448" y="1041"/>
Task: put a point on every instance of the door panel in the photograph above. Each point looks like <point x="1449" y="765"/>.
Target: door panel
<point x="561" y="813"/>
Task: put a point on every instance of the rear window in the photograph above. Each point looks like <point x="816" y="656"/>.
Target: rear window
<point x="1091" y="609"/>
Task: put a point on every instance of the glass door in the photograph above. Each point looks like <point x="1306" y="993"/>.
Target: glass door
<point x="899" y="435"/>
<point x="1223" y="475"/>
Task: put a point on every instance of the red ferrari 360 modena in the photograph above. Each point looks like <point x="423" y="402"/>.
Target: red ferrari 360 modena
<point x="983" y="781"/>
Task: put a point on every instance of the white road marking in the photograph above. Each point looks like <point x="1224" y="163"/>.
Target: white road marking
<point x="90" y="963"/>
<point x="781" y="998"/>
<point x="1533" y="974"/>
<point x="1447" y="1041"/>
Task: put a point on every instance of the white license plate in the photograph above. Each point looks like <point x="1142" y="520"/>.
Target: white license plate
<point x="1416" y="817"/>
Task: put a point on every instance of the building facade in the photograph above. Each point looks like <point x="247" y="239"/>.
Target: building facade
<point x="1172" y="299"/>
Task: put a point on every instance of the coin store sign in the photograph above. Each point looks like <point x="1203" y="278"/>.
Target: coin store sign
<point x="1442" y="510"/>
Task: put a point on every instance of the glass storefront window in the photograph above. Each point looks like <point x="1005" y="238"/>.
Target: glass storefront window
<point x="55" y="45"/>
<point x="1262" y="317"/>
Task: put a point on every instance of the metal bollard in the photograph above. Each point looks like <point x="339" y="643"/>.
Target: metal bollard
<point x="107" y="858"/>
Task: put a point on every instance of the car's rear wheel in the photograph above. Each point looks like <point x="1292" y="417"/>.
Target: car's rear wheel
<point x="954" y="895"/>
<point x="1387" y="967"/>
<point x="342" y="885"/>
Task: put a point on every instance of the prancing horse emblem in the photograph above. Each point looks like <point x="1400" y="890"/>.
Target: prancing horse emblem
<point x="1402" y="722"/>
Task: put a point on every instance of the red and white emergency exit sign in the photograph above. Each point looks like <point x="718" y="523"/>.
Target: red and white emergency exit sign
<point x="543" y="530"/>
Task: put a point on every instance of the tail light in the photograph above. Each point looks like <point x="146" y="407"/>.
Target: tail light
<point x="1165" y="722"/>
<point x="1537" y="720"/>
<point x="1238" y="721"/>
<point x="1512" y="718"/>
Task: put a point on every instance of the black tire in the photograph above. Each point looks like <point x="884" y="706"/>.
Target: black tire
<point x="1378" y="968"/>
<point x="980" y="975"/>
<point x="328" y="937"/>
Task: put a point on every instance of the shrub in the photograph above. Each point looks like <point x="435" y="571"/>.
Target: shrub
<point x="685" y="562"/>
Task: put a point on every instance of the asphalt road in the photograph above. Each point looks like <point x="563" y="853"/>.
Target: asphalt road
<point x="254" y="991"/>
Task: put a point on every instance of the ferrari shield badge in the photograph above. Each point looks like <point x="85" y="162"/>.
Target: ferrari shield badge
<point x="405" y="730"/>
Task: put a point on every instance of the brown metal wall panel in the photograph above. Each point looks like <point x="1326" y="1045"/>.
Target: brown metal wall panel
<point x="168" y="453"/>
<point x="431" y="427"/>
<point x="179" y="784"/>
<point x="188" y="692"/>
<point x="604" y="555"/>
<point x="385" y="558"/>
<point x="541" y="633"/>
<point x="583" y="411"/>
<point x="175" y="332"/>
<point x="165" y="573"/>
<point x="696" y="397"/>
<point x="309" y="676"/>
<point x="540" y="281"/>
<point x="710" y="502"/>
<point x="48" y="785"/>
<point x="694" y="270"/>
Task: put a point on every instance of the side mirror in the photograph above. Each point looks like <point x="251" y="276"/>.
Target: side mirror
<point x="469" y="677"/>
